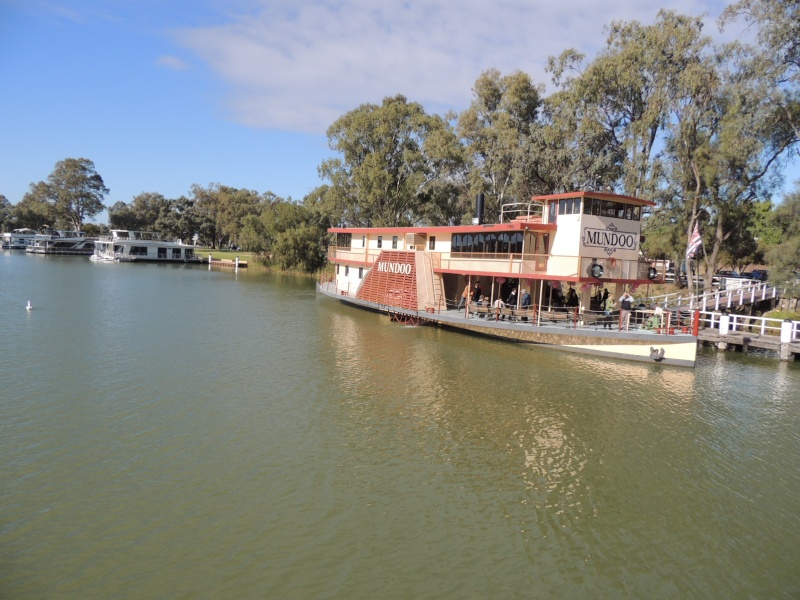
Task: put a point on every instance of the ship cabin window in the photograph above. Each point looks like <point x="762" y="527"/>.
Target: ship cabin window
<point x="363" y="241"/>
<point x="138" y="250"/>
<point x="569" y="206"/>
<point x="189" y="253"/>
<point x="343" y="240"/>
<point x="607" y="208"/>
<point x="432" y="243"/>
<point x="487" y="243"/>
<point x="176" y="253"/>
<point x="553" y="212"/>
<point x="346" y="271"/>
<point x="162" y="252"/>
<point x="361" y="272"/>
<point x="394" y="242"/>
<point x="337" y="269"/>
<point x="380" y="241"/>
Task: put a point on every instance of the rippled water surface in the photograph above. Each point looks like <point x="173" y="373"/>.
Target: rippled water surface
<point x="174" y="432"/>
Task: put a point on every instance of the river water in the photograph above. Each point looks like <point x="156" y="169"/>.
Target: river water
<point x="175" y="432"/>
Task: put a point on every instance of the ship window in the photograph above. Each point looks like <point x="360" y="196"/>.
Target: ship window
<point x="363" y="241"/>
<point x="503" y="243"/>
<point x="562" y="207"/>
<point x="597" y="207"/>
<point x="553" y="211"/>
<point x="361" y="272"/>
<point x="637" y="212"/>
<point x="176" y="253"/>
<point x="337" y="269"/>
<point x="516" y="243"/>
<point x="628" y="212"/>
<point x="620" y="208"/>
<point x="432" y="243"/>
<point x="162" y="252"/>
<point x="394" y="242"/>
<point x="455" y="243"/>
<point x="467" y="245"/>
<point x="138" y="250"/>
<point x="346" y="271"/>
<point x="490" y="245"/>
<point x="479" y="243"/>
<point x="587" y="206"/>
<point x="380" y="241"/>
<point x="188" y="253"/>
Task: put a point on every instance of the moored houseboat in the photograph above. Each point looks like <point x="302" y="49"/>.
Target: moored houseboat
<point x="577" y="245"/>
<point x="17" y="239"/>
<point x="141" y="246"/>
<point x="59" y="241"/>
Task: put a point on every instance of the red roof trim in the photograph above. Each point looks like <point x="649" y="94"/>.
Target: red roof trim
<point x="492" y="227"/>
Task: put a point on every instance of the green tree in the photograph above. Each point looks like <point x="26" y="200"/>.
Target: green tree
<point x="76" y="191"/>
<point x="35" y="210"/>
<point x="383" y="166"/>
<point x="6" y="213"/>
<point x="784" y="257"/>
<point x="496" y="132"/>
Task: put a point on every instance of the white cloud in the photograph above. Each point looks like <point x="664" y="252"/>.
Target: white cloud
<point x="297" y="66"/>
<point x="172" y="62"/>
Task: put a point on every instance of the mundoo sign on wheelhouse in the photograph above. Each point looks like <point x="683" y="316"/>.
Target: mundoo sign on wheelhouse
<point x="550" y="263"/>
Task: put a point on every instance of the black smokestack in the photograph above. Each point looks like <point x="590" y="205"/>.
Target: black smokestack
<point x="478" y="220"/>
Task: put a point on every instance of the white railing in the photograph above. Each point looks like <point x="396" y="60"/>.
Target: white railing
<point x="747" y="324"/>
<point x="751" y="291"/>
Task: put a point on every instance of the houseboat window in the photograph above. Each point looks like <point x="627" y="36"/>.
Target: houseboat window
<point x="346" y="270"/>
<point x="361" y="272"/>
<point x="176" y="253"/>
<point x="138" y="250"/>
<point x="394" y="242"/>
<point x="162" y="253"/>
<point x="380" y="241"/>
<point x="432" y="243"/>
<point x="189" y="253"/>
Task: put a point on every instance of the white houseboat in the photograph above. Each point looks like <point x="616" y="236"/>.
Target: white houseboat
<point x="579" y="244"/>
<point x="17" y="239"/>
<point x="134" y="246"/>
<point x="61" y="242"/>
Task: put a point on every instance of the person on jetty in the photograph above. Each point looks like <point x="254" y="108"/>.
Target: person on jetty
<point x="476" y="292"/>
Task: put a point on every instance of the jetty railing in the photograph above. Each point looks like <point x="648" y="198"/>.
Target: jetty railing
<point x="731" y="323"/>
<point x="751" y="291"/>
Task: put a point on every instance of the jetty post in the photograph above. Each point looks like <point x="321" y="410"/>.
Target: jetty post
<point x="786" y="338"/>
<point x="237" y="265"/>
<point x="724" y="327"/>
<point x="209" y="261"/>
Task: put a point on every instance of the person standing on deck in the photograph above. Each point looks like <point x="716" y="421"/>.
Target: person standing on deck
<point x="464" y="296"/>
<point x="476" y="293"/>
<point x="512" y="298"/>
<point x="625" y="307"/>
<point x="607" y="307"/>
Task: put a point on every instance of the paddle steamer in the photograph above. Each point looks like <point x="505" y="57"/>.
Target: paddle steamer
<point x="586" y="242"/>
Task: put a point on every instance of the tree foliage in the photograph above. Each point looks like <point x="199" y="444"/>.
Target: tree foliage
<point x="76" y="191"/>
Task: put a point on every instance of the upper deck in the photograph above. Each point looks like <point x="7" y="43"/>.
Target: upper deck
<point x="581" y="236"/>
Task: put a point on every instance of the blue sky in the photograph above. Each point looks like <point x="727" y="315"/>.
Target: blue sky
<point x="163" y="94"/>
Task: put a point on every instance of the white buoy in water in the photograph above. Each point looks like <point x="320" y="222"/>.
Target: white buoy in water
<point x="30" y="306"/>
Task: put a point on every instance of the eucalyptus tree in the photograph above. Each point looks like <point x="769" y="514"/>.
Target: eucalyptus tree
<point x="383" y="166"/>
<point x="784" y="256"/>
<point x="6" y="214"/>
<point x="76" y="191"/>
<point x="496" y="133"/>
<point x="35" y="210"/>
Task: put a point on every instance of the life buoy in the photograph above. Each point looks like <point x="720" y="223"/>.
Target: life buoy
<point x="612" y="262"/>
